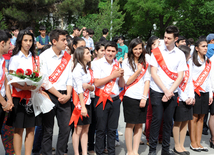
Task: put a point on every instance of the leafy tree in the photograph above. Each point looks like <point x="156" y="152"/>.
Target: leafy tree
<point x="103" y="20"/>
<point x="2" y="22"/>
<point x="147" y="14"/>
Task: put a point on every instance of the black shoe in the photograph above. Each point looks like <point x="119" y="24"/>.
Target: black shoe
<point x="152" y="153"/>
<point x="181" y="153"/>
<point x="195" y="149"/>
<point x="170" y="152"/>
<point x="187" y="134"/>
<point x="205" y="132"/>
<point x="205" y="149"/>
<point x="187" y="152"/>
<point x="211" y="143"/>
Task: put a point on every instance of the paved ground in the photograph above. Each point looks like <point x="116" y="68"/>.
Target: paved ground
<point x="121" y="150"/>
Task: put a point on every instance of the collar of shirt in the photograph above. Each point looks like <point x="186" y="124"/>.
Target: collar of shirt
<point x="165" y="49"/>
<point x="20" y="54"/>
<point x="199" y="60"/>
<point x="103" y="59"/>
<point x="53" y="54"/>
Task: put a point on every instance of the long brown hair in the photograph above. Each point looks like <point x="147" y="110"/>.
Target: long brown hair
<point x="78" y="58"/>
<point x="131" y="56"/>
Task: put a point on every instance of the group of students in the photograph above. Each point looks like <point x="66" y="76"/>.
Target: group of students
<point x="174" y="85"/>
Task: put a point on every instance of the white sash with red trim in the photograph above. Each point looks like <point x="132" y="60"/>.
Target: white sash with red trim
<point x="76" y="114"/>
<point x="104" y="94"/>
<point x="122" y="93"/>
<point x="201" y="78"/>
<point x="60" y="68"/>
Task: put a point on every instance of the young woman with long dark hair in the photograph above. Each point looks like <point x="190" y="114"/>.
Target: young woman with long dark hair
<point x="82" y="82"/>
<point x="137" y="79"/>
<point x="23" y="115"/>
<point x="203" y="93"/>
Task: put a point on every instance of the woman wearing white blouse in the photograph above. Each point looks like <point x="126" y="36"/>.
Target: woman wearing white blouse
<point x="82" y="82"/>
<point x="203" y="93"/>
<point x="137" y="79"/>
<point x="23" y="115"/>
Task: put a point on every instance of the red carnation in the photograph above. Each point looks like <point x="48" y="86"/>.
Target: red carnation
<point x="36" y="74"/>
<point x="20" y="71"/>
<point x="28" y="72"/>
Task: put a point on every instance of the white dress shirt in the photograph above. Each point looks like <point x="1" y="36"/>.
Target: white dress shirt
<point x="196" y="71"/>
<point x="48" y="63"/>
<point x="135" y="91"/>
<point x="175" y="61"/>
<point x="103" y="69"/>
<point x="80" y="77"/>
<point x="1" y="73"/>
<point x="21" y="61"/>
<point x="189" y="90"/>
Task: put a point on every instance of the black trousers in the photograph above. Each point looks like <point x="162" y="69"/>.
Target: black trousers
<point x="161" y="109"/>
<point x="92" y="127"/>
<point x="2" y="115"/>
<point x="63" y="115"/>
<point x="107" y="119"/>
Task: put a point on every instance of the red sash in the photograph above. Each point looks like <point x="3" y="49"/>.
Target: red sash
<point x="202" y="77"/>
<point x="162" y="64"/>
<point x="105" y="93"/>
<point x="76" y="114"/>
<point x="3" y="75"/>
<point x="60" y="68"/>
<point x="122" y="93"/>
<point x="26" y="93"/>
<point x="184" y="82"/>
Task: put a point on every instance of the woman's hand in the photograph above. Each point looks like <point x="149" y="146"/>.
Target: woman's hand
<point x="142" y="103"/>
<point x="84" y="111"/>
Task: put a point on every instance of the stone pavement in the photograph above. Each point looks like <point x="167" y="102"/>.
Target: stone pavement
<point x="121" y="150"/>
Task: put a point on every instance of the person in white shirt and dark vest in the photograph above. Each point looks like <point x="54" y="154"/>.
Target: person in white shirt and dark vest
<point x="108" y="77"/>
<point x="137" y="77"/>
<point x="168" y="64"/>
<point x="6" y="105"/>
<point x="56" y="64"/>
<point x="23" y="116"/>
<point x="203" y="93"/>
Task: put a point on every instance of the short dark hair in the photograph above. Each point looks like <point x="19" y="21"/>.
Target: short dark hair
<point x="4" y="36"/>
<point x="54" y="34"/>
<point x="42" y="27"/>
<point x="121" y="37"/>
<point x="45" y="47"/>
<point x="191" y="40"/>
<point x="115" y="39"/>
<point x="13" y="28"/>
<point x="180" y="38"/>
<point x="105" y="31"/>
<point x="76" y="28"/>
<point x="172" y="29"/>
<point x="185" y="49"/>
<point x="90" y="32"/>
<point x="29" y="28"/>
<point x="111" y="44"/>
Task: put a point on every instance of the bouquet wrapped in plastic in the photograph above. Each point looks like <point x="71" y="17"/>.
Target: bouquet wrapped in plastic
<point x="39" y="99"/>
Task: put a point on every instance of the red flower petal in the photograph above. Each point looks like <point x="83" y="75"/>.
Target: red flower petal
<point x="20" y="71"/>
<point x="28" y="72"/>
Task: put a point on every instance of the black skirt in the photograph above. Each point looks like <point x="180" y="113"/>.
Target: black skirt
<point x="133" y="114"/>
<point x="212" y="108"/>
<point x="22" y="116"/>
<point x="201" y="103"/>
<point x="85" y="120"/>
<point x="183" y="112"/>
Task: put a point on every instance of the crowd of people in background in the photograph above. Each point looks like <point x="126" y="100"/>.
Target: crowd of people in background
<point x="167" y="84"/>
